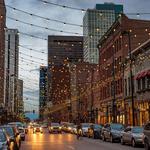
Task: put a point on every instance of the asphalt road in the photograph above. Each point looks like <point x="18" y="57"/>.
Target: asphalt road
<point x="65" y="141"/>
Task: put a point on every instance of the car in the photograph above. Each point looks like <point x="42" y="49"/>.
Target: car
<point x="146" y="137"/>
<point x="5" y="142"/>
<point x="18" y="124"/>
<point x="112" y="132"/>
<point x="70" y="127"/>
<point x="22" y="133"/>
<point x="55" y="127"/>
<point x="85" y="127"/>
<point x="132" y="135"/>
<point x="26" y="128"/>
<point x="37" y="128"/>
<point x="94" y="131"/>
<point x="74" y="129"/>
<point x="14" y="135"/>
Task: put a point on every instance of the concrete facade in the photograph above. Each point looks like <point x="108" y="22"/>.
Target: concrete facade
<point x="11" y="69"/>
<point x="96" y="22"/>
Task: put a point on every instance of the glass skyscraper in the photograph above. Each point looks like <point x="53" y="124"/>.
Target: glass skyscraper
<point x="95" y="23"/>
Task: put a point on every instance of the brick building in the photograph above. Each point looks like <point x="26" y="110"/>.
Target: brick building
<point x="2" y="49"/>
<point x="141" y="73"/>
<point x="113" y="48"/>
<point x="82" y="97"/>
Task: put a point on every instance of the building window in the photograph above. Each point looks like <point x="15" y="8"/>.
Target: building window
<point x="143" y="83"/>
<point x="148" y="82"/>
<point x="139" y="85"/>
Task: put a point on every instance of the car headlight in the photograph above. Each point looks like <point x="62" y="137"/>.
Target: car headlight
<point x="69" y="128"/>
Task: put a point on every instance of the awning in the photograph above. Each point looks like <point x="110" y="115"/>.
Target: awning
<point x="142" y="74"/>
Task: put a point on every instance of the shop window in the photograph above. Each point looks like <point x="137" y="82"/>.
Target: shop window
<point x="143" y="83"/>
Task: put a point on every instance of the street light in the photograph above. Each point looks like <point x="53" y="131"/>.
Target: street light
<point x="131" y="74"/>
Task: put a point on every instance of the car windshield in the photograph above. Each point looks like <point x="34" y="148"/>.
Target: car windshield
<point x="117" y="127"/>
<point x="55" y="124"/>
<point x="85" y="125"/>
<point x="9" y="131"/>
<point x="2" y="137"/>
<point x="21" y="131"/>
<point x="137" y="130"/>
<point x="96" y="126"/>
<point x="36" y="126"/>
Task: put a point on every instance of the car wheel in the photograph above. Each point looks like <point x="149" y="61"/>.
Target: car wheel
<point x="122" y="141"/>
<point x="111" y="139"/>
<point x="133" y="143"/>
<point x="103" y="138"/>
<point x="146" y="145"/>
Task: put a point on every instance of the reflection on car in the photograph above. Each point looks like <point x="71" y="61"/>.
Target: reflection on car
<point x="132" y="135"/>
<point x="94" y="131"/>
<point x="54" y="127"/>
<point x="112" y="132"/>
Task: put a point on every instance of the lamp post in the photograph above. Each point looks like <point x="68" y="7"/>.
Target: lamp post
<point x="131" y="74"/>
<point x="114" y="90"/>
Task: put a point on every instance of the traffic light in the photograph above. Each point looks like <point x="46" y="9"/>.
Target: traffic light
<point x="33" y="111"/>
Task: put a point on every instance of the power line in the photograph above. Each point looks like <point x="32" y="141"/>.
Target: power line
<point x="41" y="27"/>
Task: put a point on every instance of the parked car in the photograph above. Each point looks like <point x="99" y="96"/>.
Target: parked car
<point x="18" y="124"/>
<point x="112" y="132"/>
<point x="4" y="141"/>
<point x="26" y="128"/>
<point x="74" y="129"/>
<point x="22" y="133"/>
<point x="37" y="128"/>
<point x="14" y="135"/>
<point x="132" y="135"/>
<point x="85" y="127"/>
<point x="54" y="127"/>
<point x="146" y="138"/>
<point x="94" y="131"/>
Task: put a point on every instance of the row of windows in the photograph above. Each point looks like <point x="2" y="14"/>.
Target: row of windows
<point x="111" y="88"/>
<point x="112" y="49"/>
<point x="143" y="84"/>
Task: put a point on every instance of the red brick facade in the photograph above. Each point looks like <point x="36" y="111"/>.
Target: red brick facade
<point x="114" y="44"/>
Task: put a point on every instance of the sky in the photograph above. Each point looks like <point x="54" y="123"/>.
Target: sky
<point x="29" y="59"/>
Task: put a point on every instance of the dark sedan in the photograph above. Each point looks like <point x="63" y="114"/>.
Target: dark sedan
<point x="94" y="131"/>
<point x="112" y="132"/>
<point x="14" y="135"/>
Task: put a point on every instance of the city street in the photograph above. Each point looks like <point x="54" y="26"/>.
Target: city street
<point x="65" y="141"/>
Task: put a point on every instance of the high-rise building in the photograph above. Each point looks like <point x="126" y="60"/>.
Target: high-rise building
<point x="2" y="50"/>
<point x="64" y="48"/>
<point x="19" y="102"/>
<point x="43" y="90"/>
<point x="95" y="23"/>
<point x="11" y="69"/>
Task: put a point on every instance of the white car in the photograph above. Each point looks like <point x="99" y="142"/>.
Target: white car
<point x="85" y="127"/>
